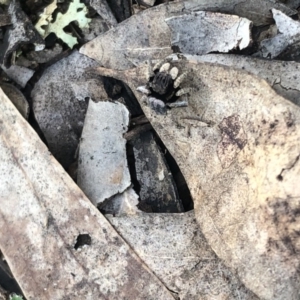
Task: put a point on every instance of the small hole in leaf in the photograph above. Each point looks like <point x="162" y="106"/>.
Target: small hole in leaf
<point x="83" y="239"/>
<point x="279" y="177"/>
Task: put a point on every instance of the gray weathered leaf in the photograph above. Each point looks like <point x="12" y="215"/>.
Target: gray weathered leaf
<point x="281" y="75"/>
<point x="243" y="172"/>
<point x="173" y="246"/>
<point x="44" y="219"/>
<point x="59" y="103"/>
<point x="147" y="35"/>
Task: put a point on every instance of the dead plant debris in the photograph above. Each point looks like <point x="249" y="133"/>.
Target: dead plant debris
<point x="149" y="150"/>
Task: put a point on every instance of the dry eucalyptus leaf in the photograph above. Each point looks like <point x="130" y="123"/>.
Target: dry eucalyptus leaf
<point x="147" y="35"/>
<point x="142" y="36"/>
<point x="59" y="103"/>
<point x="102" y="165"/>
<point x="243" y="172"/>
<point x="103" y="9"/>
<point x="281" y="75"/>
<point x="173" y="246"/>
<point x="55" y="241"/>
<point x="203" y="32"/>
<point x="289" y="33"/>
<point x="258" y="11"/>
<point x="17" y="98"/>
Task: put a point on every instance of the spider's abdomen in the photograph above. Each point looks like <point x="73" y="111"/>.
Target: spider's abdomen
<point x="162" y="83"/>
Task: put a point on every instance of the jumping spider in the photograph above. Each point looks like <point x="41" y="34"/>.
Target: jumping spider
<point x="163" y="88"/>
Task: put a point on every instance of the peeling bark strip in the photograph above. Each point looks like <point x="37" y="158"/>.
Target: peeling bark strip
<point x="43" y="215"/>
<point x="102" y="165"/>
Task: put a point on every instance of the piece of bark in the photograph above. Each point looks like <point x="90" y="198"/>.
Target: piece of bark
<point x="55" y="241"/>
<point x="281" y="75"/>
<point x="17" y="98"/>
<point x="21" y="32"/>
<point x="173" y="246"/>
<point x="19" y="75"/>
<point x="121" y="204"/>
<point x="243" y="172"/>
<point x="157" y="187"/>
<point x="104" y="11"/>
<point x="288" y="34"/>
<point x="203" y="32"/>
<point x="59" y="103"/>
<point x="102" y="169"/>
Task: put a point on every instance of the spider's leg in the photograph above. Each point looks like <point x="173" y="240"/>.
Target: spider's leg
<point x="157" y="105"/>
<point x="184" y="91"/>
<point x="143" y="89"/>
<point x="160" y="63"/>
<point x="179" y="79"/>
<point x="174" y="73"/>
<point x="179" y="103"/>
<point x="165" y="67"/>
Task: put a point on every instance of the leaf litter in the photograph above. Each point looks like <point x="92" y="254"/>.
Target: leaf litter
<point x="236" y="144"/>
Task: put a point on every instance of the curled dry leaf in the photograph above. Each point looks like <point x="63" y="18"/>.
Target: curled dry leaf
<point x="243" y="172"/>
